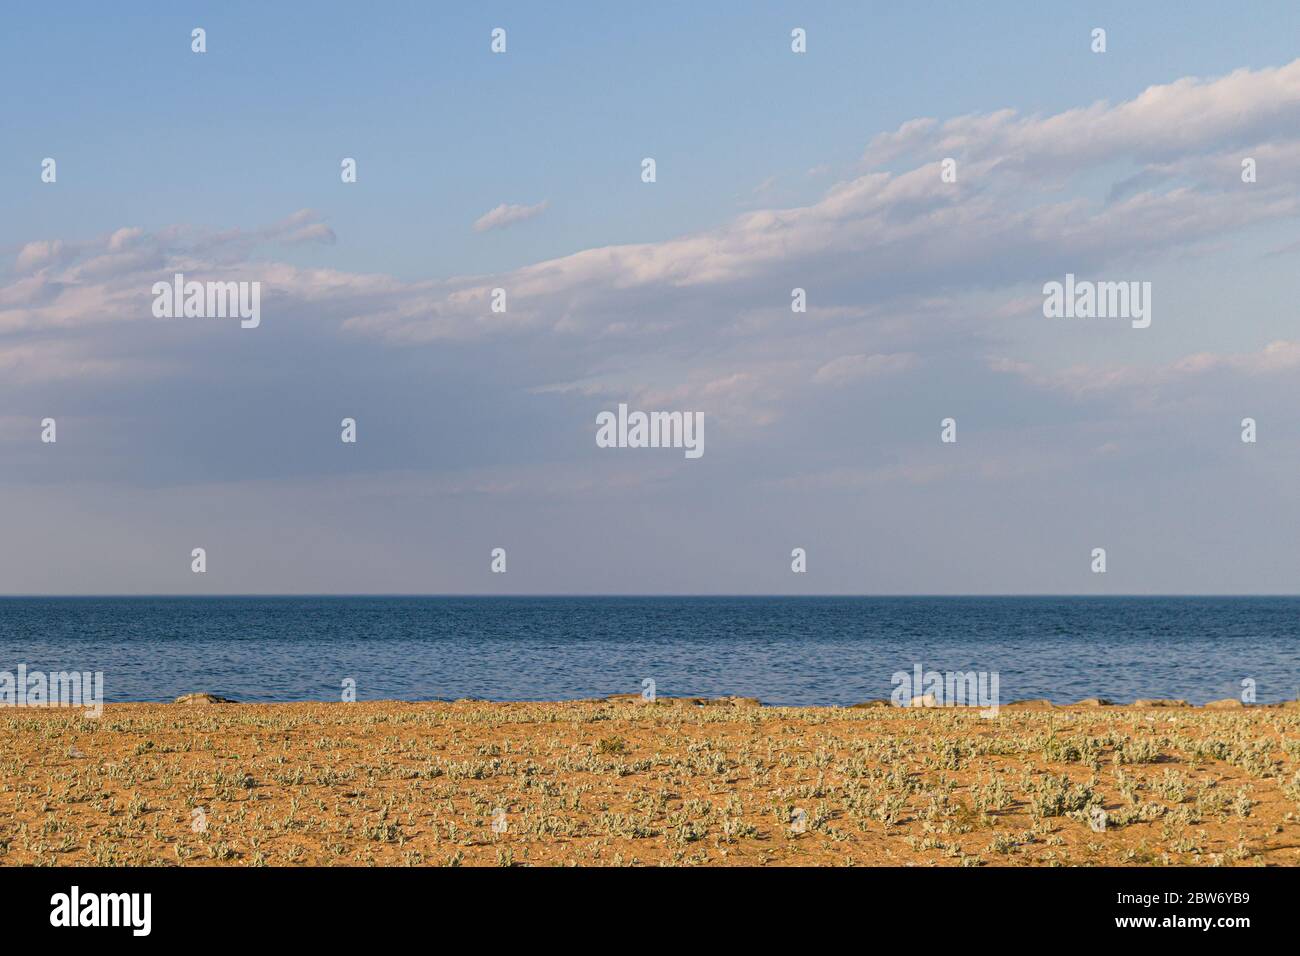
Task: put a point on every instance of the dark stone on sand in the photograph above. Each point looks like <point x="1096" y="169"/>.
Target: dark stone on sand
<point x="687" y="701"/>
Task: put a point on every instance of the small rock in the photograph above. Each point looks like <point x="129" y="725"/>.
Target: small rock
<point x="730" y="701"/>
<point x="203" y="697"/>
<point x="624" y="698"/>
<point x="717" y="701"/>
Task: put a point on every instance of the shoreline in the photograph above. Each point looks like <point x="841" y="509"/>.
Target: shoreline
<point x="203" y="697"/>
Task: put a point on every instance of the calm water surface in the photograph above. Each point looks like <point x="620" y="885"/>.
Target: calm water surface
<point x="787" y="650"/>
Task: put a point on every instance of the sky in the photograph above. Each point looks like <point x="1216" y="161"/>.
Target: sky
<point x="775" y="170"/>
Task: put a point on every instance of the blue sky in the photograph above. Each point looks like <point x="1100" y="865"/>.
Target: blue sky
<point x="775" y="170"/>
<point x="148" y="133"/>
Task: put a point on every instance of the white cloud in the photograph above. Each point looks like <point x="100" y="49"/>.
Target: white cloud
<point x="1082" y="380"/>
<point x="507" y="215"/>
<point x="901" y="269"/>
<point x="38" y="255"/>
<point x="851" y="368"/>
<point x="1167" y="120"/>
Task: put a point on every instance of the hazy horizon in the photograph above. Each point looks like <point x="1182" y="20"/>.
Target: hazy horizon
<point x="635" y="595"/>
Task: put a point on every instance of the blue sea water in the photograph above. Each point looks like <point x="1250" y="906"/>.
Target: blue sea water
<point x="783" y="650"/>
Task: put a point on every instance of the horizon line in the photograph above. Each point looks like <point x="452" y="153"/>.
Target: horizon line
<point x="435" y="594"/>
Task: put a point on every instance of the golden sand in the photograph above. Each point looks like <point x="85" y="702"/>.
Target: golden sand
<point x="621" y="782"/>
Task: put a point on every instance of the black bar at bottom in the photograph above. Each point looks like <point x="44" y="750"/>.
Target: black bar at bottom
<point x="338" y="905"/>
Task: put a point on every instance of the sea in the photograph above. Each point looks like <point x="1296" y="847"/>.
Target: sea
<point x="781" y="650"/>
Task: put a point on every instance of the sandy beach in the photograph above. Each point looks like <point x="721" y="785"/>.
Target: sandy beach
<point x="622" y="782"/>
